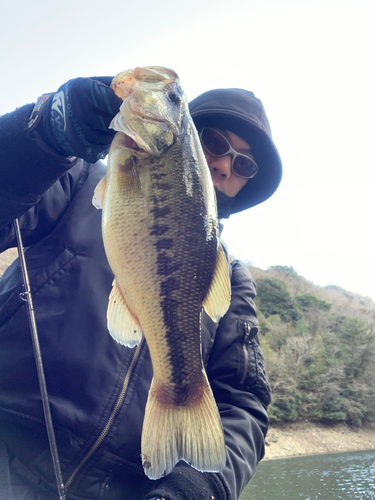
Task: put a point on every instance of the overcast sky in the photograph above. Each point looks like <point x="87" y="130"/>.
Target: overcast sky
<point x="312" y="65"/>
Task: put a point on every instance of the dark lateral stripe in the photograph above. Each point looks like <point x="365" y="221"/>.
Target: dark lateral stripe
<point x="157" y="176"/>
<point x="159" y="213"/>
<point x="165" y="264"/>
<point x="161" y="186"/>
<point x="179" y="301"/>
<point x="168" y="285"/>
<point x="158" y="229"/>
<point x="164" y="244"/>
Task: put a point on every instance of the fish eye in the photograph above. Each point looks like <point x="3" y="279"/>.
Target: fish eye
<point x="176" y="99"/>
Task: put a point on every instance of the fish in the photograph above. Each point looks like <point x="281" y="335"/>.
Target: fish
<point x="161" y="238"/>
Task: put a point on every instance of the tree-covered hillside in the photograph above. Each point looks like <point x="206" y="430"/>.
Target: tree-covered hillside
<point x="319" y="348"/>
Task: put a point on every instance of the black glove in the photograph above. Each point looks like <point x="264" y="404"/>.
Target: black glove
<point x="186" y="483"/>
<point x="74" y="120"/>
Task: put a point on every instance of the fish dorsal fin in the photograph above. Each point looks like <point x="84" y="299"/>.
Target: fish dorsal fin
<point x="99" y="192"/>
<point x="123" y="325"/>
<point x="217" y="300"/>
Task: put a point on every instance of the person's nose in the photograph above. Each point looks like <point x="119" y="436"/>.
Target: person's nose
<point x="221" y="168"/>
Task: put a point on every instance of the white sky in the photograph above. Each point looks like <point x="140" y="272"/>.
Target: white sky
<point x="310" y="62"/>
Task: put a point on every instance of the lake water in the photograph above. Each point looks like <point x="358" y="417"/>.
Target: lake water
<point x="339" y="476"/>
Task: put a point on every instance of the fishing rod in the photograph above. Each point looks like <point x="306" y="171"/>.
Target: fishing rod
<point x="26" y="296"/>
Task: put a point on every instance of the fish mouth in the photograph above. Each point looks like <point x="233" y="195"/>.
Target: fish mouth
<point x="147" y="116"/>
<point x="130" y="143"/>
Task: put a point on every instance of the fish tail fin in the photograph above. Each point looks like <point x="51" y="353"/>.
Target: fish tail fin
<point x="191" y="432"/>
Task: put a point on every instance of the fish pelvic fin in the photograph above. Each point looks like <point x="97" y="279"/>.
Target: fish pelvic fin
<point x="191" y="432"/>
<point x="122" y="324"/>
<point x="217" y="299"/>
<point x="99" y="192"/>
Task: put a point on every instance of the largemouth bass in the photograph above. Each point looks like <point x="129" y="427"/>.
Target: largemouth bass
<point x="160" y="234"/>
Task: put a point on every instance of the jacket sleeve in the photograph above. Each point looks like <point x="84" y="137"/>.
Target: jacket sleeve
<point x="238" y="380"/>
<point x="29" y="170"/>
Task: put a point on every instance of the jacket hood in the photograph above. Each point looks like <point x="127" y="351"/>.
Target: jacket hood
<point x="240" y="112"/>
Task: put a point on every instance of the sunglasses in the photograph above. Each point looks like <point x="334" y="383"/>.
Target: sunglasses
<point x="216" y="144"/>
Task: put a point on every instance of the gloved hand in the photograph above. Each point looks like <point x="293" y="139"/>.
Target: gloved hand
<point x="186" y="483"/>
<point x="74" y="120"/>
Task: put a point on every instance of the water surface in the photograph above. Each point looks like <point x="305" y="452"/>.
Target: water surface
<point x="339" y="476"/>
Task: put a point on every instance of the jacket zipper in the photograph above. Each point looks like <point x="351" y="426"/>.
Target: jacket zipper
<point x="111" y="418"/>
<point x="246" y="352"/>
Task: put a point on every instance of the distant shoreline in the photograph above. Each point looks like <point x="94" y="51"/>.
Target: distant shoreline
<point x="306" y="438"/>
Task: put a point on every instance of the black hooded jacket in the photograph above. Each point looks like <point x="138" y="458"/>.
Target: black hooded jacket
<point x="98" y="388"/>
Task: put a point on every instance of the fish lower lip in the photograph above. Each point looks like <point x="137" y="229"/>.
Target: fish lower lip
<point x="155" y="119"/>
<point x="148" y="117"/>
<point x="129" y="142"/>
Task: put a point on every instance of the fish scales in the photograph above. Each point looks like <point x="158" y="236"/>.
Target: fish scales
<point x="185" y="264"/>
<point x="160" y="233"/>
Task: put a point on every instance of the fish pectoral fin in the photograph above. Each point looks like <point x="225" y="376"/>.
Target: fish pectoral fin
<point x="122" y="324"/>
<point x="129" y="181"/>
<point x="99" y="192"/>
<point x="217" y="300"/>
<point x="190" y="432"/>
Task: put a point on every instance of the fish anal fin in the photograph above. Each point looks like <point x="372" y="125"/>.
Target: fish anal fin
<point x="217" y="299"/>
<point x="122" y="324"/>
<point x="99" y="192"/>
<point x="191" y="432"/>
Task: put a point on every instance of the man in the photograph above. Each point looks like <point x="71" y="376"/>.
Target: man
<point x="98" y="388"/>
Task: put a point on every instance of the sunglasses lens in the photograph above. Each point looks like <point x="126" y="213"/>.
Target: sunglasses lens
<point x="215" y="143"/>
<point x="244" y="167"/>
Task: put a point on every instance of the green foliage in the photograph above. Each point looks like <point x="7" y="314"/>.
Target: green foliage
<point x="285" y="408"/>
<point x="274" y="330"/>
<point x="284" y="269"/>
<point x="320" y="366"/>
<point x="333" y="408"/>
<point x="302" y="327"/>
<point x="311" y="301"/>
<point x="358" y="346"/>
<point x="273" y="297"/>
